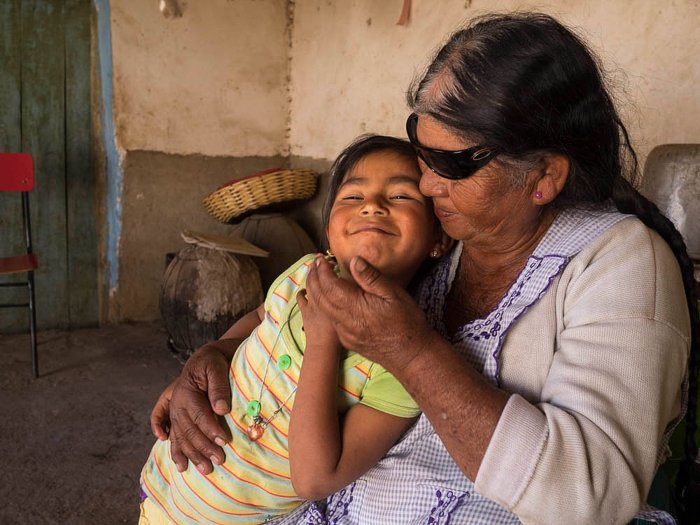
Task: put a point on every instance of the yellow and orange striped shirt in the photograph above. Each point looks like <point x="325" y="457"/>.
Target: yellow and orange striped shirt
<point x="253" y="485"/>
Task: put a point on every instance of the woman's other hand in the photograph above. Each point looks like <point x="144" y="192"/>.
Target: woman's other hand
<point x="190" y="406"/>
<point x="374" y="317"/>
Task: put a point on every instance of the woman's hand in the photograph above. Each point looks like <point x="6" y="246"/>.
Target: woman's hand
<point x="381" y="321"/>
<point x="376" y="317"/>
<point x="187" y="410"/>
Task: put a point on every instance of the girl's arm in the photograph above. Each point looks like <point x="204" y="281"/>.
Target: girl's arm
<point x="325" y="452"/>
<point x="239" y="331"/>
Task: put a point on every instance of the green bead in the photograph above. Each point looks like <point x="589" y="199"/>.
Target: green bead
<point x="253" y="408"/>
<point x="284" y="362"/>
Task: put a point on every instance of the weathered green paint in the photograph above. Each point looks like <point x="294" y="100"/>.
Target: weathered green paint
<point x="45" y="111"/>
<point x="9" y="75"/>
<point x="11" y="240"/>
<point x="80" y="175"/>
<point x="43" y="127"/>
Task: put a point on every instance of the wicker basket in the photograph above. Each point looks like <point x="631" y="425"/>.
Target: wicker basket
<point x="260" y="190"/>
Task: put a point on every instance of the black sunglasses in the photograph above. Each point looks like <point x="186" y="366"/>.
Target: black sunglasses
<point x="450" y="164"/>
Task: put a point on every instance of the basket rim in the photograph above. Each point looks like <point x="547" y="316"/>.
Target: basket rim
<point x="263" y="173"/>
<point x="261" y="189"/>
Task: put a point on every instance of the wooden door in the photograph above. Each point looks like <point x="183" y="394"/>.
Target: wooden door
<point x="45" y="110"/>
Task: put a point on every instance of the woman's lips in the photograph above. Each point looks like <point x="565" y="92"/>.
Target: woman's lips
<point x="442" y="213"/>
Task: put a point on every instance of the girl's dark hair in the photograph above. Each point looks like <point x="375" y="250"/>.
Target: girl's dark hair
<point x="352" y="154"/>
<point x="526" y="85"/>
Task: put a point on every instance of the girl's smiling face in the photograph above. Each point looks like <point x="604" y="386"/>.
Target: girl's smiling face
<point x="380" y="214"/>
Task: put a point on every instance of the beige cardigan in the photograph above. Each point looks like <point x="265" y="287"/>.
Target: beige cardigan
<point x="596" y="368"/>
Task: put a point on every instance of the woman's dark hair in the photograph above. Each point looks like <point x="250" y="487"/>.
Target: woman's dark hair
<point x="526" y="85"/>
<point x="352" y="154"/>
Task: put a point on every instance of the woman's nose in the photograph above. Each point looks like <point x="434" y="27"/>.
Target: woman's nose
<point x="431" y="184"/>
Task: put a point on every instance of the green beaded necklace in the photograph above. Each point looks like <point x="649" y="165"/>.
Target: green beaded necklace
<point x="256" y="429"/>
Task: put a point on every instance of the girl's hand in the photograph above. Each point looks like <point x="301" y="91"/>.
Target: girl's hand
<point x="160" y="415"/>
<point x="318" y="327"/>
<point x="374" y="317"/>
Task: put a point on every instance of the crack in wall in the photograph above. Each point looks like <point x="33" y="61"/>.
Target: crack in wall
<point x="289" y="31"/>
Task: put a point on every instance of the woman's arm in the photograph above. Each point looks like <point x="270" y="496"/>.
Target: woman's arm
<point x="186" y="410"/>
<point x="325" y="453"/>
<point x="382" y="322"/>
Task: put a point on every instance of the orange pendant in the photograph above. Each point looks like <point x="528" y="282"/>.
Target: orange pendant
<point x="255" y="431"/>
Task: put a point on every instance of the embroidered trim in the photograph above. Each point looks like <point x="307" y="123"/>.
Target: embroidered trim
<point x="658" y="516"/>
<point x="445" y="505"/>
<point x="558" y="264"/>
<point x="340" y="503"/>
<point x="314" y="516"/>
<point x="480" y="328"/>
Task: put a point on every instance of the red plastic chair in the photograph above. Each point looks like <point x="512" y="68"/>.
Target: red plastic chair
<point x="17" y="175"/>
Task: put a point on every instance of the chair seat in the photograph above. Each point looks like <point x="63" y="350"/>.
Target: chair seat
<point x="18" y="263"/>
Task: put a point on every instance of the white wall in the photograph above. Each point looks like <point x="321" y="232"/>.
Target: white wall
<point x="215" y="81"/>
<point x="351" y="63"/>
<point x="211" y="82"/>
<point x="228" y="80"/>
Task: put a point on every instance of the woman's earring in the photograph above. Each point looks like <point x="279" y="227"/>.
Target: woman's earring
<point x="538" y="194"/>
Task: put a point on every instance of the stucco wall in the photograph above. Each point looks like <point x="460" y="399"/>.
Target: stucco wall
<point x="211" y="82"/>
<point x="234" y="86"/>
<point x="351" y="63"/>
<point x="199" y="99"/>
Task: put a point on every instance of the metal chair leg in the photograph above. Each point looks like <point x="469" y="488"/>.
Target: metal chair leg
<point x="32" y="325"/>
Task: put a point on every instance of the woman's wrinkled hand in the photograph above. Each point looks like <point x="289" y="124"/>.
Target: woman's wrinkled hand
<point x="187" y="410"/>
<point x="374" y="317"/>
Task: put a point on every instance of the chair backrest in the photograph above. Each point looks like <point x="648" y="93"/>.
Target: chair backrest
<point x="672" y="182"/>
<point x="16" y="172"/>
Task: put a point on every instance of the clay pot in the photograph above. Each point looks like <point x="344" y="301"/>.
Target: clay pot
<point x="204" y="292"/>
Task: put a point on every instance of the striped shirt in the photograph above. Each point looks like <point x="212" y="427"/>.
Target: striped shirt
<point x="253" y="485"/>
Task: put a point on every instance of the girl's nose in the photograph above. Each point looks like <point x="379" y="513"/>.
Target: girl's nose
<point x="431" y="184"/>
<point x="373" y="207"/>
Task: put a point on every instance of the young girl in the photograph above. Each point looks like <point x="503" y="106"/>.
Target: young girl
<point x="298" y="432"/>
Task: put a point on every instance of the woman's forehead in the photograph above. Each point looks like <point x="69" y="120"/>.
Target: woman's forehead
<point x="433" y="134"/>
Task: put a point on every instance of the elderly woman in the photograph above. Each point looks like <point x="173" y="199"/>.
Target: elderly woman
<point x="548" y="350"/>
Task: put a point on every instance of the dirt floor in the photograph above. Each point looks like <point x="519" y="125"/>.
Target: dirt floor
<point x="72" y="442"/>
